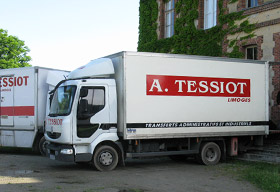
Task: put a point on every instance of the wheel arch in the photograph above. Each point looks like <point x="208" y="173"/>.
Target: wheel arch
<point x="117" y="145"/>
<point x="36" y="141"/>
<point x="219" y="141"/>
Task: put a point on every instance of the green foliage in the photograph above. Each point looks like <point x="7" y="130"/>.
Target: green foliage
<point x="264" y="175"/>
<point x="233" y="1"/>
<point x="187" y="38"/>
<point x="13" y="52"/>
<point x="147" y="23"/>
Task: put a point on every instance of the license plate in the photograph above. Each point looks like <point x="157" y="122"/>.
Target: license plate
<point x="52" y="157"/>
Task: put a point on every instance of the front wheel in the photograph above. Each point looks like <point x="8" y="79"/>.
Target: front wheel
<point x="42" y="146"/>
<point x="210" y="153"/>
<point x="105" y="158"/>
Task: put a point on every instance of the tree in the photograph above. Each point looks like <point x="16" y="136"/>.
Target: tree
<point x="13" y="52"/>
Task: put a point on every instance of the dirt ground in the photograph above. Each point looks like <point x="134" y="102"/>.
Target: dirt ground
<point x="29" y="172"/>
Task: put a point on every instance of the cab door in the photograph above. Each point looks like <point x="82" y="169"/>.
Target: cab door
<point x="92" y="115"/>
<point x="7" y="103"/>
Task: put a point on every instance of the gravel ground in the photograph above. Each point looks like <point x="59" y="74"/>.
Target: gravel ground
<point x="28" y="172"/>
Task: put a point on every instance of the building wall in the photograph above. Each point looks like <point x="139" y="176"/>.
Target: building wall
<point x="266" y="16"/>
<point x="267" y="19"/>
<point x="267" y="39"/>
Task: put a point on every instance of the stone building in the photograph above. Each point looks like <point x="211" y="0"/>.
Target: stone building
<point x="264" y="45"/>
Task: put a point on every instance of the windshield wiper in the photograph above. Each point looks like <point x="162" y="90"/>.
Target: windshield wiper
<point x="58" y="114"/>
<point x="53" y="115"/>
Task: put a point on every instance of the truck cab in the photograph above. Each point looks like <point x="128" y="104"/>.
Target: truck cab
<point x="83" y="114"/>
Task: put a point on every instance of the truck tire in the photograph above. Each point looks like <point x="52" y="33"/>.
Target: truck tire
<point x="42" y="146"/>
<point x="105" y="158"/>
<point x="210" y="154"/>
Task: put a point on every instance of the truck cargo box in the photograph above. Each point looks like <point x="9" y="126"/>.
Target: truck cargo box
<point x="174" y="96"/>
<point x="24" y="93"/>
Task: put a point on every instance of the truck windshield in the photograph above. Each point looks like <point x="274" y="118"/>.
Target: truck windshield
<point x="62" y="101"/>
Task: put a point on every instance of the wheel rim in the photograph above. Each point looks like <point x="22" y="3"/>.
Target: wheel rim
<point x="211" y="154"/>
<point x="106" y="158"/>
<point x="44" y="148"/>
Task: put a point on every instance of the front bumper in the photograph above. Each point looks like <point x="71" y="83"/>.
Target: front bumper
<point x="54" y="152"/>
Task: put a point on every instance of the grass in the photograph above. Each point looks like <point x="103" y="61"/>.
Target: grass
<point x="265" y="176"/>
<point x="58" y="187"/>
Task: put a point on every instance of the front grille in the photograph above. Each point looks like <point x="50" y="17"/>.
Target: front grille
<point x="53" y="135"/>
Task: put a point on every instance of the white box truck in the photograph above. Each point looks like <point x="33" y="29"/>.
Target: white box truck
<point x="134" y="105"/>
<point x="23" y="106"/>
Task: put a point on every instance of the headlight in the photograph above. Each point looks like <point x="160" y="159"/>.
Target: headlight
<point x="66" y="151"/>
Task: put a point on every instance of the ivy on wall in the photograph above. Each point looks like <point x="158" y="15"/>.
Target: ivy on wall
<point x="187" y="38"/>
<point x="147" y="24"/>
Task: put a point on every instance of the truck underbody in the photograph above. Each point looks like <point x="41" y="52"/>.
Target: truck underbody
<point x="207" y="151"/>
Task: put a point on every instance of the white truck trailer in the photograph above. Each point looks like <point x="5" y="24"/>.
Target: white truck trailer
<point x="23" y="106"/>
<point x="143" y="104"/>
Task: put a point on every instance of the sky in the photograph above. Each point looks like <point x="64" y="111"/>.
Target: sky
<point x="66" y="34"/>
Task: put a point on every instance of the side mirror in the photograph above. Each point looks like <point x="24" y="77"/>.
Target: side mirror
<point x="83" y="92"/>
<point x="51" y="98"/>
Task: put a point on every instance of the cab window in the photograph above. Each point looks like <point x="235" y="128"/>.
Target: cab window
<point x="91" y="101"/>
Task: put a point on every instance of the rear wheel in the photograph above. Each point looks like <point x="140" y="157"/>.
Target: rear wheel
<point x="210" y="153"/>
<point x="105" y="158"/>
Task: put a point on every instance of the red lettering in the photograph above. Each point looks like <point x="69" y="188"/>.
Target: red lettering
<point x="25" y="79"/>
<point x="11" y="82"/>
<point x="54" y="121"/>
<point x="19" y="81"/>
<point x="14" y="81"/>
<point x="197" y="86"/>
<point x="239" y="100"/>
<point x="5" y="82"/>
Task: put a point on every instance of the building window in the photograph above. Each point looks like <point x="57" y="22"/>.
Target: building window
<point x="252" y="3"/>
<point x="252" y="53"/>
<point x="210" y="13"/>
<point x="169" y="18"/>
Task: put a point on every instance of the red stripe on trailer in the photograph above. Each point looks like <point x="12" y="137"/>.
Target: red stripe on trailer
<point x="197" y="86"/>
<point x="17" y="111"/>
